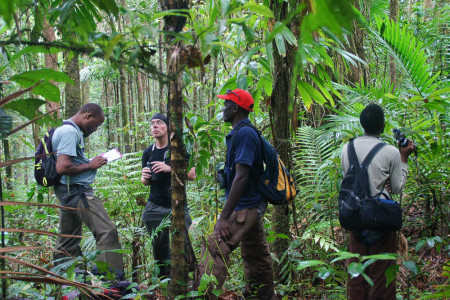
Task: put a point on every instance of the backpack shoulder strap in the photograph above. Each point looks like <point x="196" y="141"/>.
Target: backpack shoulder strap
<point x="352" y="155"/>
<point x="369" y="157"/>
<point x="233" y="137"/>
<point x="361" y="169"/>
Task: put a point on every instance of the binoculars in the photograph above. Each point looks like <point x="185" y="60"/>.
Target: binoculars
<point x="400" y="137"/>
<point x="154" y="175"/>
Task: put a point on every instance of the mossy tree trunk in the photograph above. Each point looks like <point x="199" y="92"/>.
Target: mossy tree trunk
<point x="179" y="234"/>
<point x="73" y="92"/>
<point x="281" y="97"/>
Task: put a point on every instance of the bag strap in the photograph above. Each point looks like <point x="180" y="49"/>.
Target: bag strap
<point x="369" y="157"/>
<point x="361" y="169"/>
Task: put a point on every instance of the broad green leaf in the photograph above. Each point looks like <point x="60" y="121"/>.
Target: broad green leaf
<point x="242" y="83"/>
<point x="171" y="12"/>
<point x="344" y="255"/>
<point x="279" y="41"/>
<point x="259" y="9"/>
<point x="410" y="265"/>
<point x="355" y="269"/>
<point x="111" y="44"/>
<point x="28" y="78"/>
<point x="325" y="273"/>
<point x="249" y="34"/>
<point x="224" y="4"/>
<point x="26" y="107"/>
<point x="367" y="278"/>
<point x="225" y="45"/>
<point x="287" y="34"/>
<point x="30" y="50"/>
<point x="314" y="93"/>
<point x="309" y="263"/>
<point x="391" y="273"/>
<point x="109" y="6"/>
<point x="392" y="256"/>
<point x="306" y="97"/>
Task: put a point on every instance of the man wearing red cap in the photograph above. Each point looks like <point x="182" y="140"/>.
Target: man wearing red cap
<point x="240" y="221"/>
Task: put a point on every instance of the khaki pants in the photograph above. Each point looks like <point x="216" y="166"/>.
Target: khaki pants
<point x="98" y="222"/>
<point x="248" y="231"/>
<point x="359" y="288"/>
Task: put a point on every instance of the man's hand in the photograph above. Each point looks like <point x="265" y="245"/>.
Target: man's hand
<point x="160" y="166"/>
<point x="146" y="173"/>
<point x="97" y="162"/>
<point x="407" y="150"/>
<point x="222" y="229"/>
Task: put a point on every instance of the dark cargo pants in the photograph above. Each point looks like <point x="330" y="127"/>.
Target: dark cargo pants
<point x="247" y="231"/>
<point x="98" y="222"/>
<point x="359" y="288"/>
<point x="152" y="217"/>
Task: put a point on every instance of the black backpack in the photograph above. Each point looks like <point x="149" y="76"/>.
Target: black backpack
<point x="45" y="160"/>
<point x="358" y="210"/>
<point x="275" y="184"/>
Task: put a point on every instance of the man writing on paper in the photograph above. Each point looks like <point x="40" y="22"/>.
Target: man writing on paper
<point x="74" y="190"/>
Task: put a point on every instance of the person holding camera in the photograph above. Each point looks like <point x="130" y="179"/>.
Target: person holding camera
<point x="156" y="173"/>
<point x="388" y="168"/>
<point x="240" y="221"/>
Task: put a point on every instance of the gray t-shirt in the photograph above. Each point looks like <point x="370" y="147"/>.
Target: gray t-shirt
<point x="68" y="140"/>
<point x="385" y="165"/>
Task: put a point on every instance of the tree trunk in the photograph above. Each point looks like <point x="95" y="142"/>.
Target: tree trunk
<point x="393" y="15"/>
<point x="85" y="89"/>
<point x="51" y="62"/>
<point x="124" y="109"/>
<point x="179" y="233"/>
<point x="281" y="97"/>
<point x="73" y="92"/>
<point x="162" y="106"/>
<point x="8" y="169"/>
<point x="140" y="141"/>
<point x="356" y="46"/>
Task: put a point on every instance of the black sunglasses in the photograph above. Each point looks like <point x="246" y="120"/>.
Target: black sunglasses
<point x="231" y="92"/>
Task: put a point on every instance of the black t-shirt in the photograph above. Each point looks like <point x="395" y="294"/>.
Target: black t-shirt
<point x="159" y="189"/>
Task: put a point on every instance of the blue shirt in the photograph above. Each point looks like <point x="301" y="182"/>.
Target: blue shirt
<point x="68" y="140"/>
<point x="246" y="150"/>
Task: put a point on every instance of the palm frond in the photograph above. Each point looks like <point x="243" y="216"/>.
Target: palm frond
<point x="409" y="53"/>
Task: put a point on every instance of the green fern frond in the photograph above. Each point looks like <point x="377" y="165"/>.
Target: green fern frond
<point x="409" y="53"/>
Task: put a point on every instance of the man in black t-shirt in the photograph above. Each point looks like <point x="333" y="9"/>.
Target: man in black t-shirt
<point x="156" y="173"/>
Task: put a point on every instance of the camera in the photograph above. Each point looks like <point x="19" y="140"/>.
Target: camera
<point x="221" y="178"/>
<point x="400" y="137"/>
<point x="154" y="175"/>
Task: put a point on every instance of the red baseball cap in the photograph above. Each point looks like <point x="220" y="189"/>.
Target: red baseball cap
<point x="242" y="98"/>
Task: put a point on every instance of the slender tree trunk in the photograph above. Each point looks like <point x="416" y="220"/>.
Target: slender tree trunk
<point x="180" y="268"/>
<point x="8" y="169"/>
<point x="124" y="110"/>
<point x="281" y="97"/>
<point x="140" y="113"/>
<point x="161" y="102"/>
<point x="179" y="233"/>
<point x="211" y="111"/>
<point x="85" y="89"/>
<point x="393" y="15"/>
<point x="73" y="92"/>
<point x="107" y="115"/>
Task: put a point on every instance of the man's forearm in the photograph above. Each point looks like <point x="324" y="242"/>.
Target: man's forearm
<point x="73" y="169"/>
